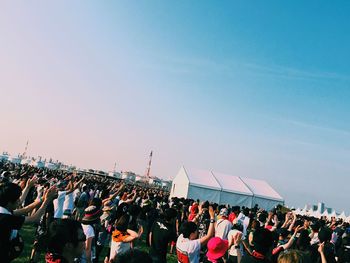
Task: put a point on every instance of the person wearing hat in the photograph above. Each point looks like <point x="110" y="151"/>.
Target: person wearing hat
<point x="217" y="248"/>
<point x="91" y="217"/>
<point x="188" y="245"/>
<point x="223" y="225"/>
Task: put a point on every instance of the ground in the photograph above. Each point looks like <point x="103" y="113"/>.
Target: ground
<point x="28" y="231"/>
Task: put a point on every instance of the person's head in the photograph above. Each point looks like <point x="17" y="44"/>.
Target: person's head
<point x="315" y="226"/>
<point x="254" y="224"/>
<point x="223" y="213"/>
<point x="262" y="217"/>
<point x="205" y="205"/>
<point x="133" y="256"/>
<point x="9" y="195"/>
<point x="325" y="234"/>
<point x="283" y="233"/>
<point x="92" y="215"/>
<point x="122" y="223"/>
<point x="66" y="237"/>
<point x="262" y="240"/>
<point x="236" y="210"/>
<point x="306" y="222"/>
<point x="189" y="230"/>
<point x="169" y="214"/>
<point x="96" y="202"/>
<point x="303" y="242"/>
<point x="293" y="256"/>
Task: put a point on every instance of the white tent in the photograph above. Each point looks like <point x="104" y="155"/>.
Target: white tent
<point x="233" y="188"/>
<point x="316" y="214"/>
<point x="342" y="216"/>
<point x="263" y="194"/>
<point x="325" y="213"/>
<point x="333" y="214"/>
<point x="224" y="189"/>
<point x="297" y="211"/>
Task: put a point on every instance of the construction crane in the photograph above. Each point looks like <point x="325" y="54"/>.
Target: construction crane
<point x="149" y="165"/>
<point x="25" y="150"/>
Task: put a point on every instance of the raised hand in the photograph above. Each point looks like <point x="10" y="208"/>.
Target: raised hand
<point x="51" y="193"/>
<point x="211" y="212"/>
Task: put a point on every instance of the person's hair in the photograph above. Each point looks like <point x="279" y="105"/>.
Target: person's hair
<point x="262" y="217"/>
<point x="315" y="226"/>
<point x="122" y="223"/>
<point x="325" y="234"/>
<point x="293" y="256"/>
<point x="187" y="228"/>
<point x="9" y="192"/>
<point x="262" y="240"/>
<point x="205" y="204"/>
<point x="169" y="214"/>
<point x="96" y="202"/>
<point x="303" y="242"/>
<point x="62" y="232"/>
<point x="254" y="224"/>
<point x="133" y="256"/>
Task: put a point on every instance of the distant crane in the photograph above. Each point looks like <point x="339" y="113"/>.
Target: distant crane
<point x="25" y="150"/>
<point x="149" y="165"/>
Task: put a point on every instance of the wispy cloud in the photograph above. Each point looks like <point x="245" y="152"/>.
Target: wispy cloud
<point x="231" y="67"/>
<point x="289" y="72"/>
<point x="317" y="127"/>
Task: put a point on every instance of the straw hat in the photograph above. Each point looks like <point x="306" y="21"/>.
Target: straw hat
<point x="92" y="213"/>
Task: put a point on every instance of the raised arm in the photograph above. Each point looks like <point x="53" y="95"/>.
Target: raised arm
<point x="204" y="240"/>
<point x="293" y="222"/>
<point x="49" y="195"/>
<point x="115" y="194"/>
<point x="30" y="183"/>
<point x="292" y="238"/>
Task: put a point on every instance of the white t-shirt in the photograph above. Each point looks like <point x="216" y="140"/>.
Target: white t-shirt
<point x="245" y="222"/>
<point x="118" y="248"/>
<point x="68" y="202"/>
<point x="314" y="238"/>
<point x="188" y="250"/>
<point x="58" y="204"/>
<point x="232" y="250"/>
<point x="222" y="227"/>
<point x="89" y="232"/>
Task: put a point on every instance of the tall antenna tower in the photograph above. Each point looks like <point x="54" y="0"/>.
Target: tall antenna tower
<point x="149" y="165"/>
<point x="25" y="150"/>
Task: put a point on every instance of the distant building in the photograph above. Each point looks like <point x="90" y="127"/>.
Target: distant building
<point x="129" y="176"/>
<point x="115" y="175"/>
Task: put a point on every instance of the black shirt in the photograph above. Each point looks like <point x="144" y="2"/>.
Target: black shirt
<point x="7" y="224"/>
<point x="162" y="234"/>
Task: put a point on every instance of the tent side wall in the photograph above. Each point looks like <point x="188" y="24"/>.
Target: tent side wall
<point x="235" y="199"/>
<point x="196" y="192"/>
<point x="266" y="203"/>
<point x="180" y="184"/>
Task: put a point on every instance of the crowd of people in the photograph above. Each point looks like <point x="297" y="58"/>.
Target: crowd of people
<point x="78" y="216"/>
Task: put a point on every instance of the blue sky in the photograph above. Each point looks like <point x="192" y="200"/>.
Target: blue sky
<point x="256" y="89"/>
